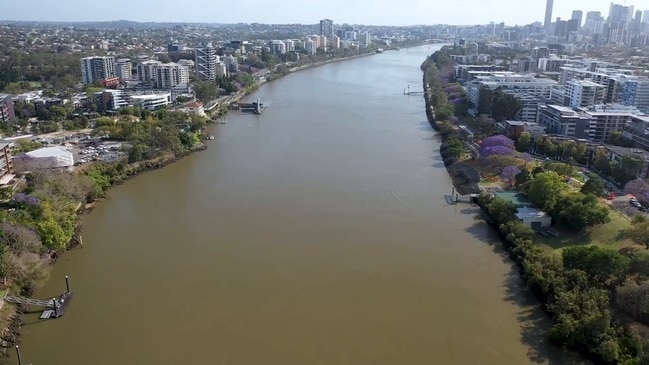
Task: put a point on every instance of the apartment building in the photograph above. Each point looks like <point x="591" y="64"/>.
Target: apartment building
<point x="96" y="69"/>
<point x="205" y="62"/>
<point x="637" y="130"/>
<point x="7" y="113"/>
<point x="608" y="118"/>
<point x="509" y="83"/>
<point x="635" y="92"/>
<point x="583" y="93"/>
<point x="563" y="121"/>
<point x="162" y="75"/>
<point x="124" y="69"/>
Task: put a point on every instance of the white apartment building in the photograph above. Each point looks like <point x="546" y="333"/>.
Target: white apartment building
<point x="290" y="45"/>
<point x="151" y="101"/>
<point x="205" y="62"/>
<point x="366" y="39"/>
<point x="124" y="69"/>
<point x="95" y="69"/>
<point x="162" y="75"/>
<point x="583" y="93"/>
<point x="310" y="47"/>
<point x="510" y="83"/>
<point x="277" y="47"/>
<point x="169" y="75"/>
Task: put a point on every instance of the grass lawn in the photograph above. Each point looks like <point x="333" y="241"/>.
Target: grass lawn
<point x="610" y="235"/>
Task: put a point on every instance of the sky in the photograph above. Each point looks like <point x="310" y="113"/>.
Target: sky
<point x="369" y="12"/>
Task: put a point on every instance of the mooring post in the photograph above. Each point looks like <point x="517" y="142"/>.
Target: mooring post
<point x="20" y="359"/>
<point x="81" y="241"/>
<point x="67" y="285"/>
<point x="453" y="192"/>
<point x="56" y="310"/>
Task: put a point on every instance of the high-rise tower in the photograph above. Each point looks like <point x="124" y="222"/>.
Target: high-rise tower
<point x="548" y="14"/>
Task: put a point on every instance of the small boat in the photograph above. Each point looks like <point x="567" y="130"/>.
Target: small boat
<point x="210" y="138"/>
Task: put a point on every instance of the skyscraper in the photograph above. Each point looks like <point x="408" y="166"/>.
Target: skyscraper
<point x="637" y="20"/>
<point x="206" y="60"/>
<point x="577" y="15"/>
<point x="327" y="28"/>
<point x="548" y="14"/>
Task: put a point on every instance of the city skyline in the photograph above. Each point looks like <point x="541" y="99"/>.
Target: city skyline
<point x="377" y="12"/>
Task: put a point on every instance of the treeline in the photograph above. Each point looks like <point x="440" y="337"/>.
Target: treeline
<point x="593" y="295"/>
<point x="39" y="223"/>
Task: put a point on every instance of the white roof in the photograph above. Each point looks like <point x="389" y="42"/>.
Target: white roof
<point x="526" y="212"/>
<point x="49" y="152"/>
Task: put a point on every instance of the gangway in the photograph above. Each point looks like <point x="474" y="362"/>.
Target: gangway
<point x="54" y="308"/>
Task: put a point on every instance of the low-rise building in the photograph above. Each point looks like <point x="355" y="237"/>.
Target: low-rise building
<point x="194" y="107"/>
<point x="513" y="128"/>
<point x="44" y="158"/>
<point x="532" y="217"/>
<point x="637" y="130"/>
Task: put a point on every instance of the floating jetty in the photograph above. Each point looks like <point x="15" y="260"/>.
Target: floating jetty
<point x="254" y="107"/>
<point x="54" y="308"/>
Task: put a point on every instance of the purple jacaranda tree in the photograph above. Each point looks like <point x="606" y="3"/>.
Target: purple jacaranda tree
<point x="505" y="146"/>
<point x="27" y="199"/>
<point x="509" y="173"/>
<point x="638" y="187"/>
<point x="496" y="151"/>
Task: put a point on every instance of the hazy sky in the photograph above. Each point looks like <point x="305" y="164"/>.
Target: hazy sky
<point x="378" y="12"/>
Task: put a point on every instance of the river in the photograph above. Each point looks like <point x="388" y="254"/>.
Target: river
<point x="315" y="233"/>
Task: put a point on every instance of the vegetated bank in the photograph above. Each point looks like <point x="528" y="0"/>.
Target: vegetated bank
<point x="597" y="298"/>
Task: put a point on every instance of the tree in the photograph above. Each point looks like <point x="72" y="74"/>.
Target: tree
<point x="205" y="91"/>
<point x="502" y="211"/>
<point x="627" y="169"/>
<point x="544" y="189"/>
<point x="524" y="142"/>
<point x="594" y="185"/>
<point x="487" y="125"/>
<point x="504" y="106"/>
<point x="633" y="299"/>
<point x="601" y="162"/>
<point x="578" y="211"/>
<point x="509" y="174"/>
<point x="600" y="264"/>
<point x="523" y="177"/>
<point x="639" y="233"/>
<point x="496" y="145"/>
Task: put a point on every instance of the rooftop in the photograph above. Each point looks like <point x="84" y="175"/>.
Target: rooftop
<point x="626" y="151"/>
<point x="526" y="212"/>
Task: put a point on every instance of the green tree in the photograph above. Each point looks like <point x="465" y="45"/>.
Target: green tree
<point x="524" y="142"/>
<point x="502" y="211"/>
<point x="627" y="169"/>
<point x="593" y="185"/>
<point x="601" y="265"/>
<point x="504" y="106"/>
<point x="205" y="91"/>
<point x="639" y="233"/>
<point x="544" y="190"/>
<point x="578" y="211"/>
<point x="523" y="177"/>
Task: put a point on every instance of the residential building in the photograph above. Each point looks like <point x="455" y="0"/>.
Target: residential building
<point x="310" y="47"/>
<point x="637" y="130"/>
<point x="635" y="92"/>
<point x="124" y="69"/>
<point x="365" y="39"/>
<point x="194" y="107"/>
<point x="96" y="69"/>
<point x="232" y="64"/>
<point x="169" y="75"/>
<point x="563" y="121"/>
<point x="151" y="101"/>
<point x="7" y="113"/>
<point x="6" y="165"/>
<point x="327" y="28"/>
<point x="205" y="62"/>
<point x="583" y="93"/>
<point x="277" y="47"/>
<point x="160" y="75"/>
<point x="509" y="82"/>
<point x="608" y="118"/>
<point x="617" y="153"/>
<point x="529" y="107"/>
<point x="111" y="100"/>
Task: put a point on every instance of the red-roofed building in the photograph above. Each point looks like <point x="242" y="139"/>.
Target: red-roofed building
<point x="194" y="107"/>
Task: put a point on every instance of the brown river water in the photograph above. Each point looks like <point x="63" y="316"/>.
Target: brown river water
<point x="315" y="233"/>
